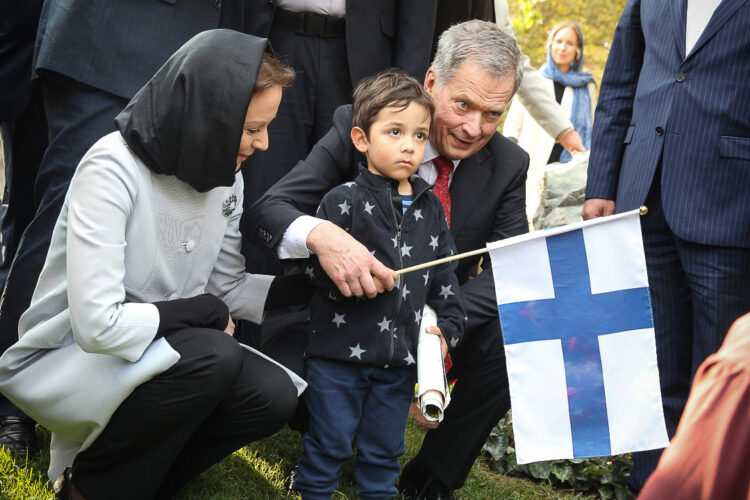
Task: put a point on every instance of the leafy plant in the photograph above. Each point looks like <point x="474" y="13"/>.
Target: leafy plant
<point x="606" y="477"/>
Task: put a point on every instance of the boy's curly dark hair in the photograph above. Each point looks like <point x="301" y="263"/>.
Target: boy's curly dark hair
<point x="389" y="88"/>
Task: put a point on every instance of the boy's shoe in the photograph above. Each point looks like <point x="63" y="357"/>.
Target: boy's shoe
<point x="291" y="482"/>
<point x="64" y="488"/>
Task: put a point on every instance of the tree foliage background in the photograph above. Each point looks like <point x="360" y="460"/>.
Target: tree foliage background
<point x="532" y="20"/>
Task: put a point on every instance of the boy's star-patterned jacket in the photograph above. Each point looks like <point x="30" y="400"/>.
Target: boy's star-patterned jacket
<point x="384" y="331"/>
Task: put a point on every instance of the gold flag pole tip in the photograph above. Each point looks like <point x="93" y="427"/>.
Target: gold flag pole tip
<point x="643" y="210"/>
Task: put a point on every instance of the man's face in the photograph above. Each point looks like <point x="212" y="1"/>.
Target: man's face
<point x="467" y="109"/>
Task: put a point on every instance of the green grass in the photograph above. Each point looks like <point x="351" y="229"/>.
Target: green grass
<point x="258" y="472"/>
<point x="22" y="479"/>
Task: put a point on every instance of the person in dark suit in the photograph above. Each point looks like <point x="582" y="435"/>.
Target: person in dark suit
<point x="90" y="58"/>
<point x="23" y="130"/>
<point x="331" y="45"/>
<point x="672" y="131"/>
<point x="487" y="176"/>
<point x="450" y="12"/>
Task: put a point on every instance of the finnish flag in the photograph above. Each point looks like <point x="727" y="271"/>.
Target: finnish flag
<point x="579" y="340"/>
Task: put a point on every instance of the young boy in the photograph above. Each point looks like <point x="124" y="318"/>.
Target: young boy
<point x="361" y="354"/>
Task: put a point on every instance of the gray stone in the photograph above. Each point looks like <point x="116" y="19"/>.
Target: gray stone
<point x="562" y="193"/>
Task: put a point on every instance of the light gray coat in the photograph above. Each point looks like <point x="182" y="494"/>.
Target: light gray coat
<point x="126" y="237"/>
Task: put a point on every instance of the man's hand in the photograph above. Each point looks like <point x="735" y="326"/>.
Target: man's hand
<point x="352" y="267"/>
<point x="572" y="142"/>
<point x="229" y="330"/>
<point x="597" y="207"/>
<point x="443" y="344"/>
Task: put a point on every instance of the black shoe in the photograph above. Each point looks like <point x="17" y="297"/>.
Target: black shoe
<point x="291" y="482"/>
<point x="435" y="489"/>
<point x="64" y="487"/>
<point x="18" y="436"/>
<point x="415" y="484"/>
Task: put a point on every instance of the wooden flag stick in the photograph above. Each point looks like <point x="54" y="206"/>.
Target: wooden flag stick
<point x="642" y="210"/>
<point x="440" y="261"/>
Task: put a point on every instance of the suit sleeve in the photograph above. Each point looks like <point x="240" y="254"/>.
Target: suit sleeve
<point x="99" y="204"/>
<point x="414" y="32"/>
<point x="615" y="107"/>
<point x="478" y="294"/>
<point x="592" y="98"/>
<point x="444" y="295"/>
<point x="244" y="293"/>
<point x="330" y="163"/>
<point x="514" y="121"/>
<point x="539" y="103"/>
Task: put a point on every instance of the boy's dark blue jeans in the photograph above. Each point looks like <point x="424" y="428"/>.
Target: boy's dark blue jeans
<point x="367" y="405"/>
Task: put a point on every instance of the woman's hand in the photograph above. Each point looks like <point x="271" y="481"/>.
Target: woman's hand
<point x="572" y="141"/>
<point x="443" y="344"/>
<point x="229" y="330"/>
<point x="201" y="311"/>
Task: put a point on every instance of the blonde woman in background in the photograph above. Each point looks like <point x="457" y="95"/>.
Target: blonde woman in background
<point x="573" y="89"/>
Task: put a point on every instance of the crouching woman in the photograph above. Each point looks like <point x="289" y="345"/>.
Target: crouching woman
<point x="126" y="353"/>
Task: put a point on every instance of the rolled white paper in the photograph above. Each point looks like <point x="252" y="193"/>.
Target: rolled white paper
<point x="433" y="394"/>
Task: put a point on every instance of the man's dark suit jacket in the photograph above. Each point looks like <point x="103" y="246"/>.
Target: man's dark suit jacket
<point x="389" y="33"/>
<point x="689" y="112"/>
<point x="117" y="46"/>
<point x="18" y="21"/>
<point x="450" y="12"/>
<point x="487" y="203"/>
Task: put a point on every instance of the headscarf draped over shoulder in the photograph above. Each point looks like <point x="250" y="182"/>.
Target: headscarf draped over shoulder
<point x="187" y="120"/>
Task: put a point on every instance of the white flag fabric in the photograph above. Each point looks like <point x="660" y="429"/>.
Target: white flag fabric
<point x="579" y="340"/>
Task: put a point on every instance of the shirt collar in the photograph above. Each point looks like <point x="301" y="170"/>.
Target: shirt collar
<point x="431" y="152"/>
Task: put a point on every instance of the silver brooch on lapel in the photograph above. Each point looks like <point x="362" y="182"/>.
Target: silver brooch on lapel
<point x="229" y="205"/>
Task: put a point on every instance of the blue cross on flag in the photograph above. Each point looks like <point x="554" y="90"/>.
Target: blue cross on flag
<point x="579" y="340"/>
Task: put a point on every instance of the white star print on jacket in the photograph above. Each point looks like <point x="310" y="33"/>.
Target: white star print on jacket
<point x="364" y="331"/>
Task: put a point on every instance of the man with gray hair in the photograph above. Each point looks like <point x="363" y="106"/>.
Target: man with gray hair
<point x="480" y="177"/>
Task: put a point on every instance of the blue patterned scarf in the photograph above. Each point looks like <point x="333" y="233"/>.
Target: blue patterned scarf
<point x="580" y="114"/>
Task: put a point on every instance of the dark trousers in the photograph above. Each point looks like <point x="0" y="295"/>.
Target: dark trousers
<point x="283" y="337"/>
<point x="697" y="291"/>
<point x="306" y="113"/>
<point x="350" y="402"/>
<point x="77" y="115"/>
<point x="215" y="399"/>
<point x="24" y="141"/>
<point x="479" y="399"/>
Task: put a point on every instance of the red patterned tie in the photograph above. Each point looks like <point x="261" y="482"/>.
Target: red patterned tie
<point x="444" y="167"/>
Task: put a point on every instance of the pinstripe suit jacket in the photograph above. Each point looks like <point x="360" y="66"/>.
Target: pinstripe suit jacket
<point x="691" y="111"/>
<point x="118" y="45"/>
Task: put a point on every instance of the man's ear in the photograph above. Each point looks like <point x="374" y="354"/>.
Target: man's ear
<point x="429" y="80"/>
<point x="359" y="138"/>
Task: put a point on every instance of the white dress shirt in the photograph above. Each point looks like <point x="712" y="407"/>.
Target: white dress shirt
<point x="334" y="8"/>
<point x="699" y="12"/>
<point x="293" y="244"/>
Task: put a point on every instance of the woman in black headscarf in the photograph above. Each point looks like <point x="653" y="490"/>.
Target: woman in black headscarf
<point x="124" y="353"/>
